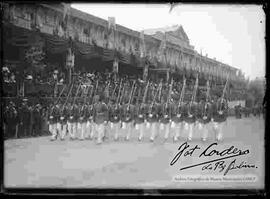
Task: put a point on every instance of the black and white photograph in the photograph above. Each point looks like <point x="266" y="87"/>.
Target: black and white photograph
<point x="133" y="96"/>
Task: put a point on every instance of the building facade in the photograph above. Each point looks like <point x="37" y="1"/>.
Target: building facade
<point x="170" y="50"/>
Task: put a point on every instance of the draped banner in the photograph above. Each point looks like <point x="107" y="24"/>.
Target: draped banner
<point x="21" y="37"/>
<point x="55" y="44"/>
<point x="86" y="51"/>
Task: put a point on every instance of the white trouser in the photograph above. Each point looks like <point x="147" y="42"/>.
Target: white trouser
<point x="218" y="129"/>
<point x="53" y="130"/>
<point x="190" y="130"/>
<point x="70" y="129"/>
<point x="75" y="129"/>
<point x="63" y="130"/>
<point x="81" y="129"/>
<point x="153" y="129"/>
<point x="115" y="127"/>
<point x="100" y="128"/>
<point x="128" y="127"/>
<point x="88" y="129"/>
<point x="165" y="127"/>
<point x="141" y="128"/>
<point x="176" y="127"/>
<point x="204" y="131"/>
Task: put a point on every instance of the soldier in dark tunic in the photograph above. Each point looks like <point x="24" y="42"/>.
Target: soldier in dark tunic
<point x="177" y="123"/>
<point x="191" y="118"/>
<point x="220" y="114"/>
<point x="152" y="119"/>
<point x="115" y="116"/>
<point x="165" y="118"/>
<point x="70" y="121"/>
<point x="100" y="117"/>
<point x="206" y="119"/>
<point x="127" y="118"/>
<point x="63" y="121"/>
<point x="140" y="118"/>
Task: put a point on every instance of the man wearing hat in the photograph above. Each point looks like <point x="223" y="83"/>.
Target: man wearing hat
<point x="37" y="119"/>
<point x="10" y="121"/>
<point x="25" y="116"/>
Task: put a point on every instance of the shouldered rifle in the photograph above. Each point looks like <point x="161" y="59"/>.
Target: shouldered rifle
<point x="60" y="94"/>
<point x="169" y="94"/>
<point x="193" y="94"/>
<point x="77" y="91"/>
<point x="130" y="95"/>
<point x="181" y="98"/>
<point x="207" y="98"/>
<point x="154" y="100"/>
<point x="223" y="93"/>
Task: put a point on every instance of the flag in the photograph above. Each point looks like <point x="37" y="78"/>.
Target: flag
<point x="111" y="30"/>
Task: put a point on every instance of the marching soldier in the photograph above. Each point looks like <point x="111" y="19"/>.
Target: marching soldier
<point x="100" y="116"/>
<point x="205" y="120"/>
<point x="165" y="118"/>
<point x="115" y="116"/>
<point x="152" y="119"/>
<point x="127" y="118"/>
<point x="140" y="118"/>
<point x="76" y="115"/>
<point x="52" y="121"/>
<point x="191" y="118"/>
<point x="63" y="121"/>
<point x="177" y="120"/>
<point x="219" y="117"/>
<point x="83" y="120"/>
<point x="70" y="121"/>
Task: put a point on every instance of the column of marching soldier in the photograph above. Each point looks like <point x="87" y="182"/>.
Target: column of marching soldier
<point x="104" y="108"/>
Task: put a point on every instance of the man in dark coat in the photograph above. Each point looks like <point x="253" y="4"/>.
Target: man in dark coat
<point x="25" y="118"/>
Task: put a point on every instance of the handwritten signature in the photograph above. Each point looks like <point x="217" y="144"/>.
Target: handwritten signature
<point x="215" y="164"/>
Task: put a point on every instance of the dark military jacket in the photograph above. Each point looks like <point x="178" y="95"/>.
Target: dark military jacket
<point x="140" y="113"/>
<point x="177" y="113"/>
<point x="115" y="113"/>
<point x="127" y="113"/>
<point x="220" y="112"/>
<point x="191" y="113"/>
<point x="166" y="113"/>
<point x="153" y="115"/>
